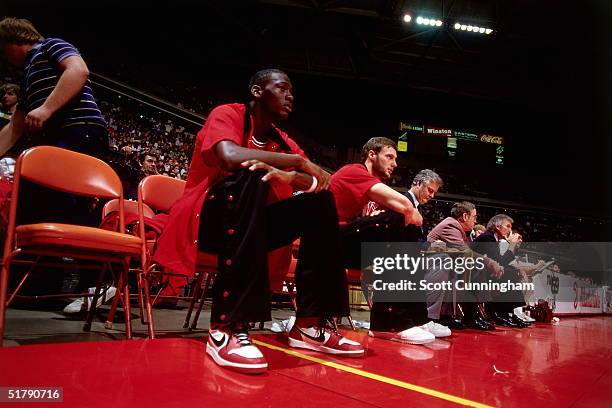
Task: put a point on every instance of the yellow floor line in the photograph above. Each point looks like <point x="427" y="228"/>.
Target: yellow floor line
<point x="376" y="377"/>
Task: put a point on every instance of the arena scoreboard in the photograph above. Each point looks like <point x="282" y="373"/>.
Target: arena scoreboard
<point x="454" y="144"/>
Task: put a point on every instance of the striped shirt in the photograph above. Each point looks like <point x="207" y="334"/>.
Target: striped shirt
<point x="40" y="78"/>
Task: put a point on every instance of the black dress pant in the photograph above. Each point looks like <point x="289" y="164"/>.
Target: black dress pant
<point x="506" y="302"/>
<point x="386" y="227"/>
<point x="238" y="226"/>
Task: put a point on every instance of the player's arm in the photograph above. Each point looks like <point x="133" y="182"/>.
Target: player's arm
<point x="298" y="180"/>
<point x="74" y="74"/>
<point x="388" y="197"/>
<point x="233" y="156"/>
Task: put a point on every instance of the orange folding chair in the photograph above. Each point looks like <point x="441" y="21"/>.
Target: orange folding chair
<point x="76" y="174"/>
<point x="155" y="193"/>
<point x="129" y="206"/>
<point x="159" y="193"/>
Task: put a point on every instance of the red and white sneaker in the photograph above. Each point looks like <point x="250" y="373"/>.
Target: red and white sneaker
<point x="234" y="350"/>
<point x="324" y="340"/>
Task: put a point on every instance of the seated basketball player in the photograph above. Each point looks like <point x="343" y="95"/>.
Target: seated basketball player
<point x="238" y="204"/>
<point x="357" y="187"/>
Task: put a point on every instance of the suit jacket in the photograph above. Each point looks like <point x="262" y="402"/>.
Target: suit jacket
<point x="488" y="245"/>
<point x="414" y="233"/>
<point x="450" y="231"/>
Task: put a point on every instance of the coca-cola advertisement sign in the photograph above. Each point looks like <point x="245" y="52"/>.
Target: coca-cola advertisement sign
<point x="492" y="139"/>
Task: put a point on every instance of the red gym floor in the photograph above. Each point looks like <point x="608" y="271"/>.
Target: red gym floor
<point x="563" y="365"/>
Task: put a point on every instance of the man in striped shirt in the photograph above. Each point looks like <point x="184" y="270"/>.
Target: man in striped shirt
<point x="56" y="104"/>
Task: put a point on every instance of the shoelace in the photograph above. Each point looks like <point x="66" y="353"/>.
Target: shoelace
<point x="243" y="338"/>
<point x="326" y="324"/>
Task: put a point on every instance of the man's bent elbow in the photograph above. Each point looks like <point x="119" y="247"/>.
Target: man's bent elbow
<point x="228" y="156"/>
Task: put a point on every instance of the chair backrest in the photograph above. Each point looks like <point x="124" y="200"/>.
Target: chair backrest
<point x="160" y="192"/>
<point x="69" y="171"/>
<point x="129" y="206"/>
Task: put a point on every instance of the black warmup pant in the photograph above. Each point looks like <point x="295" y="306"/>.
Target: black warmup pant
<point x="240" y="228"/>
<point x="385" y="227"/>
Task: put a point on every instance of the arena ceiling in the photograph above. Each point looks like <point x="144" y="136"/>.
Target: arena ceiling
<point x="535" y="45"/>
<point x="368" y="39"/>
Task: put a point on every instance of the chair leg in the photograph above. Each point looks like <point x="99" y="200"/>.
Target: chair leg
<point x="113" y="309"/>
<point x="369" y="300"/>
<point x="195" y="292"/>
<point x="3" y="291"/>
<point x="148" y="307"/>
<point x="22" y="281"/>
<point x="290" y="291"/>
<point x="3" y="303"/>
<point x="334" y="324"/>
<point x="194" y="323"/>
<point x="94" y="301"/>
<point x="126" y="303"/>
<point x="141" y="306"/>
<point x="350" y="319"/>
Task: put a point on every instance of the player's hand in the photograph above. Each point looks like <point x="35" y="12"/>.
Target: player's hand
<point x="323" y="177"/>
<point x="376" y="212"/>
<point x="415" y="218"/>
<point x="272" y="173"/>
<point x="36" y="118"/>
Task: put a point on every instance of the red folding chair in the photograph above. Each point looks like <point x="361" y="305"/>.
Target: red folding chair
<point x="76" y="174"/>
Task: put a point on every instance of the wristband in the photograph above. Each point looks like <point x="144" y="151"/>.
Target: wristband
<point x="313" y="185"/>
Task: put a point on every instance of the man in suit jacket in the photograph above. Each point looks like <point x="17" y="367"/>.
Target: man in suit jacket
<point x="453" y="232"/>
<point x="499" y="228"/>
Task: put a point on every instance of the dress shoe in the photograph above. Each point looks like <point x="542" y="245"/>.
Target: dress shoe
<point x="521" y="323"/>
<point x="451" y="322"/>
<point x="478" y="323"/>
<point x="482" y="312"/>
<point x="504" y="320"/>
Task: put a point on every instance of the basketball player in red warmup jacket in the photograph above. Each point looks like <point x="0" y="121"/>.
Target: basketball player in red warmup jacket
<point x="238" y="204"/>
